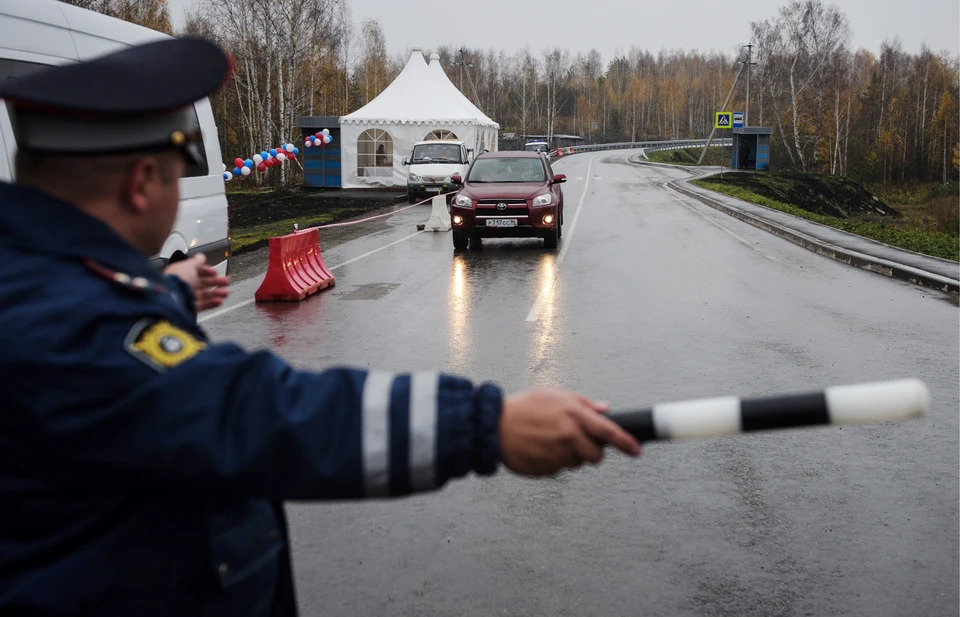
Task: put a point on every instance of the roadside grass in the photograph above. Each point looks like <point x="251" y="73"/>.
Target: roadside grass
<point x="716" y="155"/>
<point x="931" y="206"/>
<point x="907" y="232"/>
<point x="247" y="237"/>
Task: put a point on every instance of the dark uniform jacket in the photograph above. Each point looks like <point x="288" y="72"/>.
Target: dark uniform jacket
<point x="143" y="467"/>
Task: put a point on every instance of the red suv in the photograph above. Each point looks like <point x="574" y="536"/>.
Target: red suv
<point x="508" y="195"/>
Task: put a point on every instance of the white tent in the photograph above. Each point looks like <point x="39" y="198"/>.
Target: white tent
<point x="420" y="104"/>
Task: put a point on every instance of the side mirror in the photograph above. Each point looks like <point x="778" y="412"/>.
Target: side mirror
<point x="456" y="179"/>
<point x="403" y="161"/>
<point x="559" y="179"/>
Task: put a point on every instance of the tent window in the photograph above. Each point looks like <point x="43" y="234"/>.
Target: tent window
<point x="375" y="154"/>
<point x="440" y="135"/>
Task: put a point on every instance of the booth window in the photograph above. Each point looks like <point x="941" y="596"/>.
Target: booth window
<point x="441" y="135"/>
<point x="375" y="154"/>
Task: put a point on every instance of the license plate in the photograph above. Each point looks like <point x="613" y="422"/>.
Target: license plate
<point x="433" y="189"/>
<point x="501" y="222"/>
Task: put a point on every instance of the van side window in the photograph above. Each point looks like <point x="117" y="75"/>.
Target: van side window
<point x="12" y="70"/>
<point x="203" y="150"/>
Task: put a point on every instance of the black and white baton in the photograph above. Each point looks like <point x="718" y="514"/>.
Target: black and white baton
<point x="719" y="417"/>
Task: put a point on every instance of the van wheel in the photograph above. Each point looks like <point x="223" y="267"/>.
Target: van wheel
<point x="460" y="241"/>
<point x="411" y="198"/>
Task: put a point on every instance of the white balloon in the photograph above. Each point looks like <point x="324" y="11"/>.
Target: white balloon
<point x="281" y="156"/>
<point x="326" y="131"/>
<point x="227" y="176"/>
<point x="326" y="139"/>
<point x="257" y="159"/>
<point x="224" y="166"/>
<point x="245" y="171"/>
<point x="288" y="148"/>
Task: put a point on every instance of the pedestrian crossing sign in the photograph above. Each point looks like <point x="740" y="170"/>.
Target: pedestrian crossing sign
<point x="724" y="120"/>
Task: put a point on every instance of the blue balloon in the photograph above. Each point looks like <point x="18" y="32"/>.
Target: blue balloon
<point x="263" y="154"/>
<point x="296" y="150"/>
<point x="248" y="163"/>
<point x="236" y="171"/>
<point x="273" y="152"/>
<point x="331" y="138"/>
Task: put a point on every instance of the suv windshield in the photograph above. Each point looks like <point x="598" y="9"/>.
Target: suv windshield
<point x="436" y="153"/>
<point x="507" y="170"/>
<point x="536" y="146"/>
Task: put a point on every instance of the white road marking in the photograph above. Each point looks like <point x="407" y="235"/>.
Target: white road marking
<point x="332" y="268"/>
<point x="689" y="207"/>
<point x="534" y="313"/>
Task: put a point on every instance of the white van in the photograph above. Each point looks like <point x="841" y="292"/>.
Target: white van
<point x="431" y="165"/>
<point x="35" y="34"/>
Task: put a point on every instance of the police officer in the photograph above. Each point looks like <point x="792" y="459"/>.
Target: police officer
<point x="143" y="467"/>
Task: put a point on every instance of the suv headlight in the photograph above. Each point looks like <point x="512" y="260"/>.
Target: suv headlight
<point x="414" y="178"/>
<point x="542" y="200"/>
<point x="463" y="201"/>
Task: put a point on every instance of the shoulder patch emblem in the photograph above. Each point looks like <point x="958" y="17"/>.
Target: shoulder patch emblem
<point x="162" y="345"/>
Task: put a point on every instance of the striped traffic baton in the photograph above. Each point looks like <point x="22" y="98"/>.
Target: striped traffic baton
<point x="718" y="417"/>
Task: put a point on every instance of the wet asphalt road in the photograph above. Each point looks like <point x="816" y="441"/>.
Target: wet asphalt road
<point x="652" y="297"/>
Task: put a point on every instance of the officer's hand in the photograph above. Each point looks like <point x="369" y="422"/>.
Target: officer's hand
<point x="209" y="288"/>
<point x="543" y="431"/>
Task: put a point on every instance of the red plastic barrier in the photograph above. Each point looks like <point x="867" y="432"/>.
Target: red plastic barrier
<point x="295" y="270"/>
<point x="559" y="152"/>
<point x="569" y="150"/>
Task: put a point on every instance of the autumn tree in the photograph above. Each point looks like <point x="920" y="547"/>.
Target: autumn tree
<point x="153" y="14"/>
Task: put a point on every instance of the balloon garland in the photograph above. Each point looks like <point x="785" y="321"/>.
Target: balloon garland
<point x="319" y="139"/>
<point x="261" y="161"/>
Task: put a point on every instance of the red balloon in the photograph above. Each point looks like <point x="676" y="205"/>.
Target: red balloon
<point x="262" y="167"/>
<point x="269" y="162"/>
<point x="320" y="135"/>
<point x="238" y="162"/>
<point x="291" y="156"/>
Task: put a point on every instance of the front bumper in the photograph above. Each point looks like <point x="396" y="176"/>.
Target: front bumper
<point x="432" y="188"/>
<point x="473" y="221"/>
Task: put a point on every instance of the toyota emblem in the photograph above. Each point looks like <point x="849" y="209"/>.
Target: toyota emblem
<point x="501" y="206"/>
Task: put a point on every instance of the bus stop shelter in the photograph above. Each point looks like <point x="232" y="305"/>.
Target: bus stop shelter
<point x="754" y="143"/>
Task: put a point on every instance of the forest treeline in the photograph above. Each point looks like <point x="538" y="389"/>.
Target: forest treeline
<point x="890" y="116"/>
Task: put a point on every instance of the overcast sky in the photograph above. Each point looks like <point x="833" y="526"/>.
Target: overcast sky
<point x="615" y="25"/>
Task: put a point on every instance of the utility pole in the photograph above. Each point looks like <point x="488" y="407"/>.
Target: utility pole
<point x="722" y="107"/>
<point x="462" y="63"/>
<point x="746" y="113"/>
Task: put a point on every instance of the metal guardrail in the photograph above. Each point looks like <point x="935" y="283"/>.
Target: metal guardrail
<point x="673" y="144"/>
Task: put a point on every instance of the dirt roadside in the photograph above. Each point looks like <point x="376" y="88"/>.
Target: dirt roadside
<point x="346" y="206"/>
